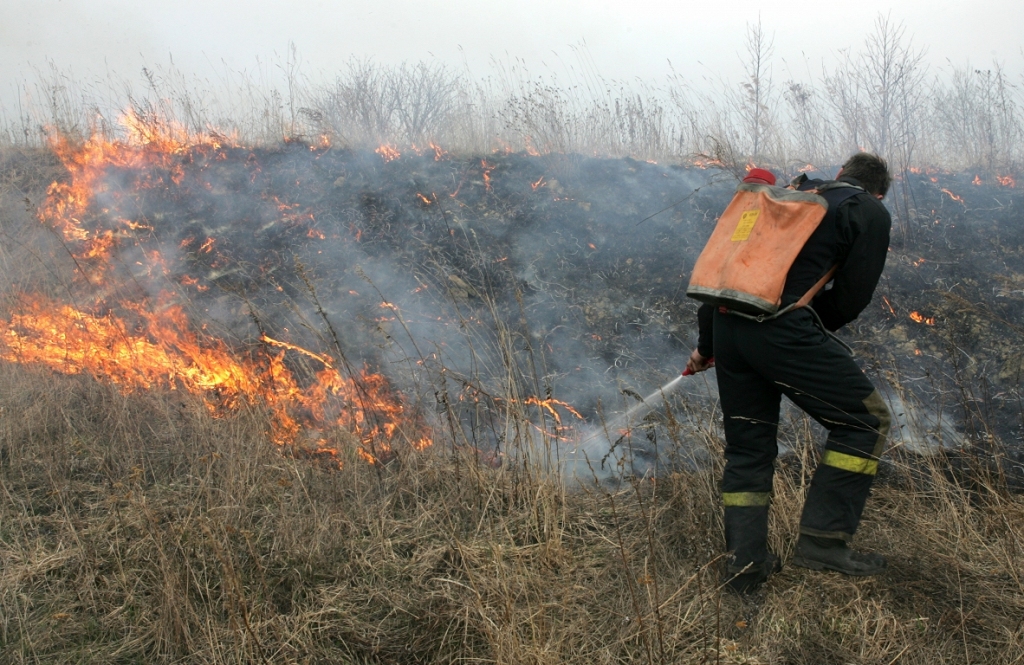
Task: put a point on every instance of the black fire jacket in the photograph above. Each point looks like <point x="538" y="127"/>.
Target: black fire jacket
<point x="854" y="236"/>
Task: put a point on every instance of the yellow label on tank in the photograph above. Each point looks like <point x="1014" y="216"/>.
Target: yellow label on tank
<point x="745" y="226"/>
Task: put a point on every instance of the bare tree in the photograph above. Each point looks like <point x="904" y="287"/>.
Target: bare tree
<point x="424" y="96"/>
<point x="758" y="94"/>
<point x="360" y="107"/>
<point x="891" y="74"/>
<point x="848" y="112"/>
<point x="808" y="126"/>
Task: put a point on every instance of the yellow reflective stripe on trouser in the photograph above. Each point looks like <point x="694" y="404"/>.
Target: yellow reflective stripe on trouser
<point x="868" y="467"/>
<point x="745" y="498"/>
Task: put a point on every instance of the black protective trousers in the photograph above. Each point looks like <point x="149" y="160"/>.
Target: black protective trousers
<point x="756" y="363"/>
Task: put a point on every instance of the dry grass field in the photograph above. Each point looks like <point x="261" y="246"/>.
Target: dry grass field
<point x="146" y="526"/>
<point x="140" y="529"/>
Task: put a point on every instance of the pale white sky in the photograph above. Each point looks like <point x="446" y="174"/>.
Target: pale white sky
<point x="624" y="39"/>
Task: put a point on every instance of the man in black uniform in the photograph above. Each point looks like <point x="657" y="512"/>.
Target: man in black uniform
<point x="794" y="355"/>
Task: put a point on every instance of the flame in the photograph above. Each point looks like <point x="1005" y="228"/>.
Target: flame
<point x="439" y="153"/>
<point x="952" y="195"/>
<point x="889" y="305"/>
<point x="707" y="163"/>
<point x="976" y="181"/>
<point x="388" y="152"/>
<point x="72" y="341"/>
<point x="537" y="184"/>
<point x="156" y="348"/>
<point x="917" y="317"/>
<point x="323" y="358"/>
<point x="487" y="173"/>
<point x="150" y="343"/>
<point x="530" y="150"/>
<point x="186" y="280"/>
<point x="149" y="144"/>
<point x="505" y="147"/>
<point x="550" y="407"/>
<point x="1006" y="181"/>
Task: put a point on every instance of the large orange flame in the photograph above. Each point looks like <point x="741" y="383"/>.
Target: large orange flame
<point x="150" y="343"/>
<point x="148" y="143"/>
<point x="158" y="349"/>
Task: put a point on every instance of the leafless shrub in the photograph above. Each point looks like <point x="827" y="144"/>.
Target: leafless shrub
<point x="813" y="135"/>
<point x="873" y="99"/>
<point x="978" y="119"/>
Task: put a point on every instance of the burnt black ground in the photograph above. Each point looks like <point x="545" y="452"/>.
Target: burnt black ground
<point x="459" y="277"/>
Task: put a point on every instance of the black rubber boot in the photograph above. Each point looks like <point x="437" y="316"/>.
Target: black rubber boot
<point x="746" y="534"/>
<point x="834" y="554"/>
<point x="747" y="579"/>
<point x="746" y="537"/>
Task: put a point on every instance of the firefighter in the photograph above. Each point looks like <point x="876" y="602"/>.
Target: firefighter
<point x="796" y="355"/>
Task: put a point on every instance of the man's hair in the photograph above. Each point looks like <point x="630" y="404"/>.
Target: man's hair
<point x="871" y="170"/>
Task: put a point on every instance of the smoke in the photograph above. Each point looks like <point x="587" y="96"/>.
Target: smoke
<point x="547" y="291"/>
<point x="483" y="286"/>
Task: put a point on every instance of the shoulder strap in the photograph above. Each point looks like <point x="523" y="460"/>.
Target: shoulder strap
<point x="809" y="296"/>
<point x="804" y="301"/>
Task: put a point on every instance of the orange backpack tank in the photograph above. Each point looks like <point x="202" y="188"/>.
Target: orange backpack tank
<point x="746" y="260"/>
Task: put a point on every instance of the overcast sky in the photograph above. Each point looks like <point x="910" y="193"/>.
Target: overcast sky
<point x="625" y="39"/>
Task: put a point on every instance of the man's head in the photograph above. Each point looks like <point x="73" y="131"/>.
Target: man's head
<point x="870" y="170"/>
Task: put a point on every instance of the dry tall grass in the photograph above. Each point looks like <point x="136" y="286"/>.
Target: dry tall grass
<point x="881" y="97"/>
<point x="140" y="529"/>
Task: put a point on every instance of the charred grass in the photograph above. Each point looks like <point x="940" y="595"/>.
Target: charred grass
<point x="140" y="529"/>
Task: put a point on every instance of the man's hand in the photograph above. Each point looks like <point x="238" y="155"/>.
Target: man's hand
<point x="698" y="363"/>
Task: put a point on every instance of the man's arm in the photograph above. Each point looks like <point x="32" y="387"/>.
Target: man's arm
<point x="706" y="330"/>
<point x="700" y="359"/>
<point x="866" y="223"/>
